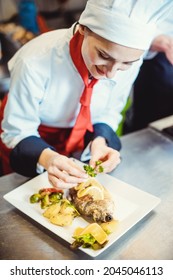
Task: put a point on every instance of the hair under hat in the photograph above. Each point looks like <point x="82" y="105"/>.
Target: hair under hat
<point x="131" y="23"/>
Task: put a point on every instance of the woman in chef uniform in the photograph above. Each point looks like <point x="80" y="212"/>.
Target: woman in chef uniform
<point x="69" y="86"/>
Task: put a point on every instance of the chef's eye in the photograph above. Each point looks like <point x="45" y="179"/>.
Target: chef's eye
<point x="128" y="63"/>
<point x="103" y="55"/>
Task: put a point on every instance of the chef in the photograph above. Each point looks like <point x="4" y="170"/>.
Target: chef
<point x="69" y="86"/>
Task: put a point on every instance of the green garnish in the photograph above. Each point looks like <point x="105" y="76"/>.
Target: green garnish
<point x="101" y="169"/>
<point x="92" y="172"/>
<point x="98" y="162"/>
<point x="86" y="241"/>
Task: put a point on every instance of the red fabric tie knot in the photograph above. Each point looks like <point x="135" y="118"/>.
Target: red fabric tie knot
<point x="85" y="99"/>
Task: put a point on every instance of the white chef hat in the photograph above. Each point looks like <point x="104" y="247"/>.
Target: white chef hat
<point x="131" y="23"/>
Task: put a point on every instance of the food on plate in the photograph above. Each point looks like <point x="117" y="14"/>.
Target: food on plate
<point x="93" y="191"/>
<point x="61" y="213"/>
<point x="93" y="200"/>
<point x="109" y="227"/>
<point x="92" y="236"/>
<point x="46" y="197"/>
<point x="52" y="210"/>
<point x="89" y="199"/>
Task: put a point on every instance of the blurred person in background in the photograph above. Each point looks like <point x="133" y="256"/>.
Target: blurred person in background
<point x="152" y="97"/>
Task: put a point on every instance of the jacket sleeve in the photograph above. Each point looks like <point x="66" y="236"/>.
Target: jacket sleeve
<point x="104" y="130"/>
<point x="25" y="155"/>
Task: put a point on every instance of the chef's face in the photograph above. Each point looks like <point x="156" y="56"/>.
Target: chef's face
<point x="104" y="58"/>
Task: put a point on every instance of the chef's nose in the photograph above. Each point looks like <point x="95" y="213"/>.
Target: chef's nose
<point x="111" y="69"/>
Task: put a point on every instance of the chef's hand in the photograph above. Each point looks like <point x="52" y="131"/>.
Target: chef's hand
<point x="63" y="172"/>
<point x="163" y="43"/>
<point x="100" y="151"/>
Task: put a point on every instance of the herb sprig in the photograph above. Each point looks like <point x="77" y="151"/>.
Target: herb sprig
<point x="93" y="171"/>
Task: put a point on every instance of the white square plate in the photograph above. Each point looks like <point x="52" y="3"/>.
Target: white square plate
<point x="131" y="203"/>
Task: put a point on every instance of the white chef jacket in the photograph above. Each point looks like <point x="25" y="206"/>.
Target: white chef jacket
<point x="46" y="88"/>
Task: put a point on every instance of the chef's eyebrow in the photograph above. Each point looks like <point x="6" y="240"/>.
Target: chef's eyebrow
<point x="106" y="54"/>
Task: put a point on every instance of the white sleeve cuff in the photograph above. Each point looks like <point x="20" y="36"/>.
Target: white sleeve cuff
<point x="39" y="169"/>
<point x="86" y="155"/>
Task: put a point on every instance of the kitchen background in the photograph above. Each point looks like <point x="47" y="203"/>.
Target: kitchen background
<point x="22" y="20"/>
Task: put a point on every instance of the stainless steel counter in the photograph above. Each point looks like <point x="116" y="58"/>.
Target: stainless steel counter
<point x="147" y="163"/>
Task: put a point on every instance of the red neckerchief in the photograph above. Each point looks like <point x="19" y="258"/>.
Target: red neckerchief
<point x="83" y="122"/>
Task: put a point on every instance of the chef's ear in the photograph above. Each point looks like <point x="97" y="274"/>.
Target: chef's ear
<point x="84" y="30"/>
<point x="81" y="29"/>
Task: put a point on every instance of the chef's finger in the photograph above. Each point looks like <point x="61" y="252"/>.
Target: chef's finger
<point x="57" y="183"/>
<point x="65" y="177"/>
<point x="112" y="161"/>
<point x="93" y="161"/>
<point x="78" y="167"/>
<point x="69" y="166"/>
